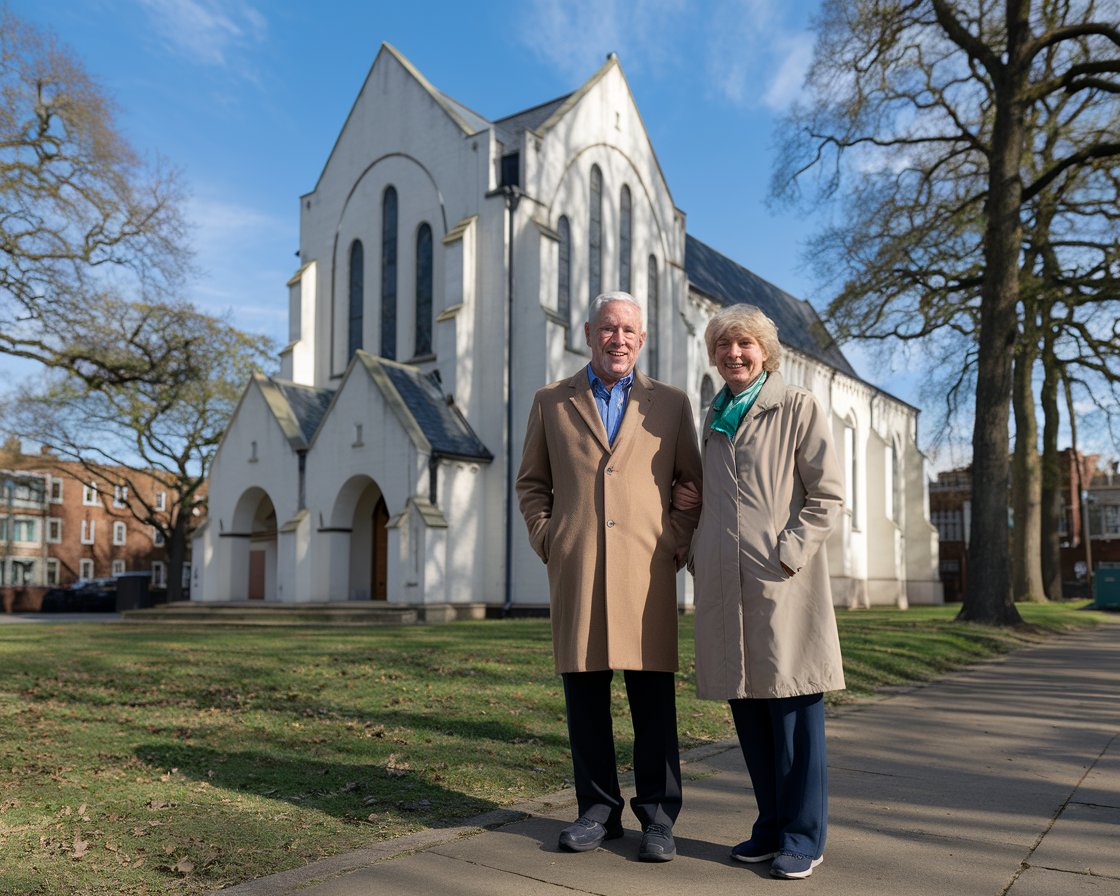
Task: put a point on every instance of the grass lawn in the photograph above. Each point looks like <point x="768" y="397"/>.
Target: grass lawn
<point x="148" y="760"/>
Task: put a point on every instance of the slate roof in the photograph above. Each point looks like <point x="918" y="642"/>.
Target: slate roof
<point x="726" y="282"/>
<point x="526" y="120"/>
<point x="308" y="404"/>
<point x="445" y="428"/>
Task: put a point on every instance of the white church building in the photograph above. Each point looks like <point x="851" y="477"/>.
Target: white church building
<point x="446" y="266"/>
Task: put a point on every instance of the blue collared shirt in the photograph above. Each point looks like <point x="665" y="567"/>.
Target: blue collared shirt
<point x="611" y="403"/>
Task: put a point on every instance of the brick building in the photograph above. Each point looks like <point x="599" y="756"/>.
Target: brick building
<point x="60" y="523"/>
<point x="950" y="506"/>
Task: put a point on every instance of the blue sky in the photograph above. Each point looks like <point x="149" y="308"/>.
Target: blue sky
<point x="246" y="98"/>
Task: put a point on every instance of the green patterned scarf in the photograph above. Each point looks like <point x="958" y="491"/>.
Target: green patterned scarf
<point x="728" y="410"/>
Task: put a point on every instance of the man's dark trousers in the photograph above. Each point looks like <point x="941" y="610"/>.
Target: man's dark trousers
<point x="657" y="767"/>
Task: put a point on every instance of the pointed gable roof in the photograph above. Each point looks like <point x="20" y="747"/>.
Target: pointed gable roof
<point x="726" y="282"/>
<point x="298" y="409"/>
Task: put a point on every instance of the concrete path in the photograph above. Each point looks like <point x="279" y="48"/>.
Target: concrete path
<point x="1001" y="779"/>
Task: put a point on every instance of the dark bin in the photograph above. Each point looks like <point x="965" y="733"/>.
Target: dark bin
<point x="133" y="591"/>
<point x="1106" y="586"/>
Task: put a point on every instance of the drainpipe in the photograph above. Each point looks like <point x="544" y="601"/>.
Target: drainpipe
<point x="512" y="196"/>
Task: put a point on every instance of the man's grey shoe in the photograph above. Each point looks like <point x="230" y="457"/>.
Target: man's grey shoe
<point x="793" y="865"/>
<point x="657" y="844"/>
<point x="750" y="851"/>
<point x="586" y="834"/>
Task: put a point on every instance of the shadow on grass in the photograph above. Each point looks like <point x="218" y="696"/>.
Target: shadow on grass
<point x="353" y="792"/>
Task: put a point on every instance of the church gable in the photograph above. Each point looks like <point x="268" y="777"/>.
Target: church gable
<point x="396" y="94"/>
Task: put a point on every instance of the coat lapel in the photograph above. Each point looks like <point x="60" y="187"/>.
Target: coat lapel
<point x="584" y="403"/>
<point x="638" y="405"/>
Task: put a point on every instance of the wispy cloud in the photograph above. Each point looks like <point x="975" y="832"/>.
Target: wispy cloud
<point x="574" y="36"/>
<point x="749" y="50"/>
<point x="225" y="235"/>
<point x="210" y="32"/>
<point x="754" y="56"/>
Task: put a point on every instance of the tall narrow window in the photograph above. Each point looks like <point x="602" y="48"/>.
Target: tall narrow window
<point x="357" y="299"/>
<point x="423" y="291"/>
<point x="624" y="226"/>
<point x="595" y="235"/>
<point x="889" y="482"/>
<point x="389" y="274"/>
<point x="707" y="393"/>
<point x="564" y="270"/>
<point x="851" y="490"/>
<point x="120" y="533"/>
<point x="653" y="324"/>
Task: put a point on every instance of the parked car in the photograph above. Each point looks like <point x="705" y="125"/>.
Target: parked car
<point x="84" y="596"/>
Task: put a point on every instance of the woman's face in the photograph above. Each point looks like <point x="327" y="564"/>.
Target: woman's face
<point x="739" y="360"/>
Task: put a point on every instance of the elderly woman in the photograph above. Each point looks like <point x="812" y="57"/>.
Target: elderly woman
<point x="766" y="636"/>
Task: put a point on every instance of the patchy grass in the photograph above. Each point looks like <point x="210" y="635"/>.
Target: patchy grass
<point x="149" y="760"/>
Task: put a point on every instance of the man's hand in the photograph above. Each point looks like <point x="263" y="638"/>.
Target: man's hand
<point x="685" y="496"/>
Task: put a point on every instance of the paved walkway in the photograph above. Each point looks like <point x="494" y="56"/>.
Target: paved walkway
<point x="1001" y="779"/>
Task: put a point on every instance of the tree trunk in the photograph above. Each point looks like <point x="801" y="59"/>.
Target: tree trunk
<point x="1051" y="485"/>
<point x="988" y="599"/>
<point x="1026" y="484"/>
<point x="176" y="556"/>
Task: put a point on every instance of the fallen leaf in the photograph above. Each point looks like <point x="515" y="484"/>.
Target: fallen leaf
<point x="183" y="866"/>
<point x="80" y="847"/>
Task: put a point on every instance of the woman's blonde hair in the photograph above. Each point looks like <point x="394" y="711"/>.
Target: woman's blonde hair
<point x="745" y="320"/>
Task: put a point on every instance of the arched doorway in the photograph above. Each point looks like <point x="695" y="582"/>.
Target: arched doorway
<point x="379" y="551"/>
<point x="253" y="547"/>
<point x="262" y="551"/>
<point x="361" y="517"/>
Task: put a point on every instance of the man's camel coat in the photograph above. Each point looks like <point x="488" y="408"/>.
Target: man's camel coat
<point x="600" y="518"/>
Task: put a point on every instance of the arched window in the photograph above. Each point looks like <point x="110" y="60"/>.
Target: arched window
<point x="357" y="300"/>
<point x="653" y="324"/>
<point x="624" y="225"/>
<point x="564" y="270"/>
<point x="595" y="235"/>
<point x="707" y="393"/>
<point x="423" y="291"/>
<point x="389" y="274"/>
<point x="851" y="464"/>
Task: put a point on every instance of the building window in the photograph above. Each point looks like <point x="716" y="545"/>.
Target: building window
<point x="85" y="569"/>
<point x="52" y="572"/>
<point x="54" y="530"/>
<point x="161" y="500"/>
<point x="423" y="291"/>
<point x="56" y="490"/>
<point x="159" y="574"/>
<point x="157" y="537"/>
<point x="595" y="235"/>
<point x="949" y="524"/>
<point x="625" y="218"/>
<point x="89" y="494"/>
<point x="389" y="274"/>
<point x="24" y="531"/>
<point x="357" y="300"/>
<point x="118" y="567"/>
<point x="851" y="464"/>
<point x="564" y="271"/>
<point x="23" y="572"/>
<point x="707" y="393"/>
<point x="253" y="452"/>
<point x="120" y="533"/>
<point x="653" y="324"/>
<point x="120" y="495"/>
<point x="87" y="531"/>
<point x="1104" y="520"/>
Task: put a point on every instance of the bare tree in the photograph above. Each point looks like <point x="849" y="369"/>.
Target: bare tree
<point x="922" y="114"/>
<point x="123" y="433"/>
<point x="83" y="219"/>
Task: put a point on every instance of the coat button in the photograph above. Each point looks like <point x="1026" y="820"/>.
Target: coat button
<point x="610" y="471"/>
<point x="610" y="523"/>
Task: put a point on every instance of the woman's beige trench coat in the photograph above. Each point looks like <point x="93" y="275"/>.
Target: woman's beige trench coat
<point x="771" y="496"/>
<point x="599" y="517"/>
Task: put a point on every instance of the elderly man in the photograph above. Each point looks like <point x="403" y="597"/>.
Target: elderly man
<point x="602" y="452"/>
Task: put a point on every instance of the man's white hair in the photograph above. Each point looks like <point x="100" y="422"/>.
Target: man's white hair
<point x="604" y="298"/>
